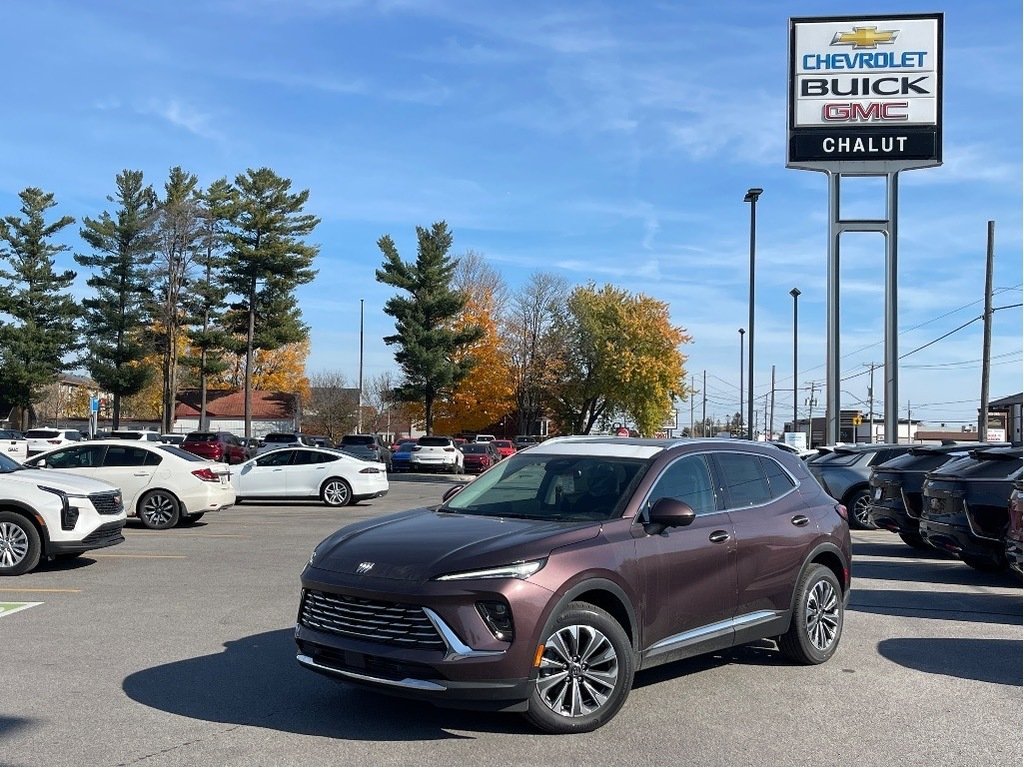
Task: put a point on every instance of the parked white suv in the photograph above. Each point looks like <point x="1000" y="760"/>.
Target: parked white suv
<point x="13" y="444"/>
<point x="53" y="515"/>
<point x="433" y="453"/>
<point x="44" y="438"/>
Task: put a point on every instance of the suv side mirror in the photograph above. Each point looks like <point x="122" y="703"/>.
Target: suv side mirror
<point x="668" y="512"/>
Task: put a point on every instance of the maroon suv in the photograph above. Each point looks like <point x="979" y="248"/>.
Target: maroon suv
<point x="545" y="584"/>
<point x="216" y="446"/>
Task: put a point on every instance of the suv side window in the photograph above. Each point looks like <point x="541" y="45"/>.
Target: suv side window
<point x="779" y="481"/>
<point x="689" y="480"/>
<point x="744" y="479"/>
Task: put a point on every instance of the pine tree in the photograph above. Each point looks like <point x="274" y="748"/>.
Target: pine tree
<point x="178" y="231"/>
<point x="117" y="317"/>
<point x="266" y="261"/>
<point x="44" y="327"/>
<point x="206" y="300"/>
<point x="429" y="344"/>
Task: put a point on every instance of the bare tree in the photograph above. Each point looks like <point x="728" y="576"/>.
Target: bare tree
<point x="483" y="284"/>
<point x="531" y="343"/>
<point x="332" y="408"/>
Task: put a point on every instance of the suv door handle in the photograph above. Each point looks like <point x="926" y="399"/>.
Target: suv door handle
<point x="141" y="474"/>
<point x="800" y="520"/>
<point x="717" y="536"/>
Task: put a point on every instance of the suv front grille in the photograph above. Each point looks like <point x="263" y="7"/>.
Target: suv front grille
<point x="406" y="626"/>
<point x="108" y="503"/>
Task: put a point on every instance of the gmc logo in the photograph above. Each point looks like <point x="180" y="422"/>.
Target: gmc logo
<point x="855" y="112"/>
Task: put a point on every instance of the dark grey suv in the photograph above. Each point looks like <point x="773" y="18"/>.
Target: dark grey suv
<point x="543" y="585"/>
<point x="845" y="473"/>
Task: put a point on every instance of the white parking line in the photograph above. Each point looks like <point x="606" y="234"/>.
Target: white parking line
<point x="6" y="609"/>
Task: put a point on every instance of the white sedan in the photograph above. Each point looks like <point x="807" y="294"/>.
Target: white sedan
<point x="309" y="473"/>
<point x="161" y="484"/>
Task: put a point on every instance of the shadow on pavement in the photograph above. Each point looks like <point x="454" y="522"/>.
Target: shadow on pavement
<point x="256" y="681"/>
<point x="934" y="573"/>
<point x="762" y="653"/>
<point x="9" y="724"/>
<point x="896" y="548"/>
<point x="989" y="661"/>
<point x="961" y="606"/>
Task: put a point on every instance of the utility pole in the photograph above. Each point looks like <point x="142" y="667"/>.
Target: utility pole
<point x="704" y="407"/>
<point x="810" y="402"/>
<point x="691" y="405"/>
<point x="771" y="419"/>
<point x="359" y="415"/>
<point x="986" y="349"/>
<point x="870" y="400"/>
<point x="767" y="434"/>
<point x="908" y="425"/>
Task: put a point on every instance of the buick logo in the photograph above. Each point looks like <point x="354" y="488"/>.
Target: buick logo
<point x="364" y="567"/>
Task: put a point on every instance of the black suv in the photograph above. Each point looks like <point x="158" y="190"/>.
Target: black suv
<point x="544" y="585"/>
<point x="896" y="488"/>
<point x="845" y="474"/>
<point x="965" y="510"/>
<point x="367" y="448"/>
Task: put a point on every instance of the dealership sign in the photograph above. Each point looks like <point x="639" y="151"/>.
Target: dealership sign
<point x="865" y="93"/>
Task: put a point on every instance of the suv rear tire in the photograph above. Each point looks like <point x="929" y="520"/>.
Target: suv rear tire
<point x="859" y="505"/>
<point x="335" y="492"/>
<point x="20" y="546"/>
<point x="817" y="622"/>
<point x="586" y="672"/>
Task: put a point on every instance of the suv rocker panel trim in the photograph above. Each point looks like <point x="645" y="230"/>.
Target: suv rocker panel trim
<point x="711" y="631"/>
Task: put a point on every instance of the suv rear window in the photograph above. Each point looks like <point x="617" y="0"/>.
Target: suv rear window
<point x="435" y="441"/>
<point x="46" y="433"/>
<point x="281" y="437"/>
<point x="201" y="437"/>
<point x="357" y="440"/>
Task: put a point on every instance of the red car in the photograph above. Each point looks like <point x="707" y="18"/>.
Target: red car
<point x="505" y="447"/>
<point x="478" y="457"/>
<point x="216" y="446"/>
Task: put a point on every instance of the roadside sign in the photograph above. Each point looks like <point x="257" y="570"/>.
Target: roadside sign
<point x="796" y="440"/>
<point x="6" y="609"/>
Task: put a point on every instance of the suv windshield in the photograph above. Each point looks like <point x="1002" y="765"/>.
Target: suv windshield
<point x="281" y="438"/>
<point x="565" y="488"/>
<point x="435" y="442"/>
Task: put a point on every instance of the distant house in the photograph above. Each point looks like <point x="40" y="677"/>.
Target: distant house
<point x="225" y="411"/>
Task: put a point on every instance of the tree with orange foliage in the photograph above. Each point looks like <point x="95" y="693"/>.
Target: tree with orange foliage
<point x="274" y="370"/>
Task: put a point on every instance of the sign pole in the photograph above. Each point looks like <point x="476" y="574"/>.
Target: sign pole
<point x="891" y="312"/>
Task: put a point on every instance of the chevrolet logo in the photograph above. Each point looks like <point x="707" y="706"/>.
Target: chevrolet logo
<point x="364" y="567"/>
<point x="865" y="37"/>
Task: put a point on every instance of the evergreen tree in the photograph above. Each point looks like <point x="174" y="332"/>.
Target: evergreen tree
<point x="428" y="341"/>
<point x="266" y="261"/>
<point x="178" y="233"/>
<point x="43" y="328"/>
<point x="116" y="318"/>
<point x="206" y="302"/>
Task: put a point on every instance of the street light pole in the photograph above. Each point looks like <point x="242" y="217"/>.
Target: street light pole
<point x="741" y="380"/>
<point x="751" y="197"/>
<point x="795" y="293"/>
<point x="359" y="415"/>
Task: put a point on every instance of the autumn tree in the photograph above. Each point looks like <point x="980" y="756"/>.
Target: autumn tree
<point x="118" y="314"/>
<point x="267" y="260"/>
<point x="532" y="345"/>
<point x="620" y="352"/>
<point x="428" y="342"/>
<point x="485" y="395"/>
<point x="42" y="328"/>
<point x="273" y="370"/>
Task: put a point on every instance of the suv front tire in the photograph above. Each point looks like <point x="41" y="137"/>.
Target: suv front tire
<point x="20" y="546"/>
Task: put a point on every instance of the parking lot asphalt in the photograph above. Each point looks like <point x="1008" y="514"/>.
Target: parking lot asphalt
<point x="175" y="648"/>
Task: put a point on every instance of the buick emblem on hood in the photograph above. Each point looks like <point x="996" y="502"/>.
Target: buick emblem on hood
<point x="364" y="567"/>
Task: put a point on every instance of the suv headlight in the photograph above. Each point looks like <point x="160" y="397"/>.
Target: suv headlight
<point x="512" y="571"/>
<point x="68" y="512"/>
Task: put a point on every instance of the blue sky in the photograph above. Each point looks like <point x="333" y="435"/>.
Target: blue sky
<point x="600" y="141"/>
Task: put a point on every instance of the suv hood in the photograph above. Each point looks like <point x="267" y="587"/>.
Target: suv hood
<point x="421" y="544"/>
<point x="54" y="478"/>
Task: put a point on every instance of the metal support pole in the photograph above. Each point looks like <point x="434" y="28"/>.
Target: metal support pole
<point x="704" y="407"/>
<point x="359" y="415"/>
<point x="891" y="313"/>
<point x="771" y="417"/>
<point x="832" y="315"/>
<point x="741" y="382"/>
<point x="751" y="197"/>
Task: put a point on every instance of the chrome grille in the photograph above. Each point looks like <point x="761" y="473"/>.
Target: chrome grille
<point x="107" y="503"/>
<point x="406" y="626"/>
